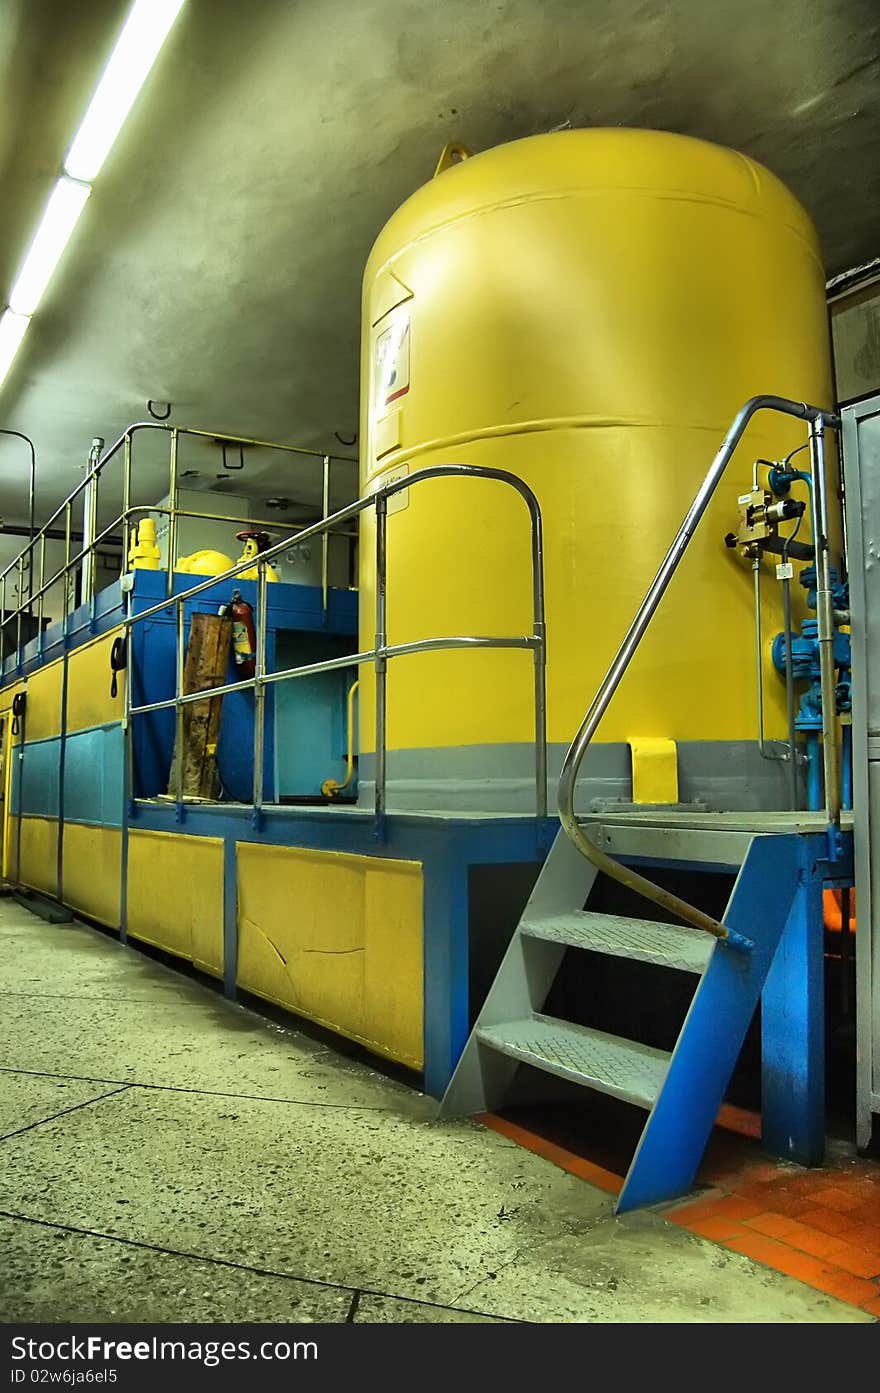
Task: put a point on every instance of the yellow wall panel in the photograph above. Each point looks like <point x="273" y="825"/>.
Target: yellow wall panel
<point x="338" y="939"/>
<point x="43" y="715"/>
<point x="92" y="871"/>
<point x="89" y="702"/>
<point x="175" y="895"/>
<point x="39" y="854"/>
<point x="7" y="695"/>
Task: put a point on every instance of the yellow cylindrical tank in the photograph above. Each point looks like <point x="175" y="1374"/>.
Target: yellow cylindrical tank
<point x="588" y="309"/>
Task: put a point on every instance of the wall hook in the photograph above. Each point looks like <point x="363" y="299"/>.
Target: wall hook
<point x="155" y="414"/>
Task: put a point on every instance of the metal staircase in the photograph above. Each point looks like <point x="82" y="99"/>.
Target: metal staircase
<point x="778" y="883"/>
<point x="681" y="1091"/>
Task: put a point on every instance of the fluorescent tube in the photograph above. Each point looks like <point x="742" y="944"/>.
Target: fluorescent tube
<point x="137" y="48"/>
<point x="66" y="202"/>
<point x="12" y="330"/>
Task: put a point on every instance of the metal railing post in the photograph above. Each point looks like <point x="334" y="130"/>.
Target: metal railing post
<point x="380" y="661"/>
<point x="172" y="515"/>
<point x="18" y="610"/>
<point x="126" y="500"/>
<point x="68" y="511"/>
<point x="825" y="623"/>
<point x="260" y="691"/>
<point x="178" y="693"/>
<point x="325" y="536"/>
<point x="41" y="595"/>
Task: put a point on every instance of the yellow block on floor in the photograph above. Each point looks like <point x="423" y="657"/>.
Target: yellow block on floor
<point x="336" y="938"/>
<point x="175" y="895"/>
<point x="654" y="769"/>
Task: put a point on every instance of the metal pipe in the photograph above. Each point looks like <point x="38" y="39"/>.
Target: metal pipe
<point x="759" y="665"/>
<point x="814" y="774"/>
<point x="611" y="681"/>
<point x="825" y="626"/>
<point x="325" y="536"/>
<point x="789" y="695"/>
<point x="259" y="689"/>
<point x="172" y="517"/>
<point x="90" y="519"/>
<point x="846" y="781"/>
<point x="380" y="661"/>
<point x="330" y="787"/>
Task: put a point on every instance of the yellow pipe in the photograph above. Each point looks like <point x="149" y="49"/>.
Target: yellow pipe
<point x="330" y="787"/>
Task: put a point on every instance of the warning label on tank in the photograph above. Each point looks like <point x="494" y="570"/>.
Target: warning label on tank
<point x="391" y="372"/>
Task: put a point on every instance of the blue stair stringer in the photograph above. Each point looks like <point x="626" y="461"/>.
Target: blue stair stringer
<point x="682" y="1092"/>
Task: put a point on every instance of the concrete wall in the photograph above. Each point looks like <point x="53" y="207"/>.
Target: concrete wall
<point x="855" y="328"/>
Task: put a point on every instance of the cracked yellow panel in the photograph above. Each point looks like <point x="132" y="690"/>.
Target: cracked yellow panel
<point x="338" y="939"/>
<point x="175" y="895"/>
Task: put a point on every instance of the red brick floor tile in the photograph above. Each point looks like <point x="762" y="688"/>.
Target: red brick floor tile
<point x="863" y="1236"/>
<point x="868" y="1213"/>
<point x="857" y="1261"/>
<point x="805" y="1267"/>
<point x="717" y="1227"/>
<point x="737" y="1207"/>
<point x="758" y="1246"/>
<point x="830" y="1221"/>
<point x="855" y="1290"/>
<point x="813" y="1241"/>
<point x="697" y="1209"/>
<point x="773" y="1225"/>
<point x="835" y="1197"/>
<point x="791" y="1206"/>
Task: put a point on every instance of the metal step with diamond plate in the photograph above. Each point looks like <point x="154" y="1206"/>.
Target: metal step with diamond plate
<point x="608" y="1063"/>
<point x="667" y="945"/>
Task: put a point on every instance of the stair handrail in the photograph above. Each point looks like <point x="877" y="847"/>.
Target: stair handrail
<point x="818" y="419"/>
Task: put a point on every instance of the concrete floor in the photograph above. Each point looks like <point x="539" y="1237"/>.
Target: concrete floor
<point x="165" y="1155"/>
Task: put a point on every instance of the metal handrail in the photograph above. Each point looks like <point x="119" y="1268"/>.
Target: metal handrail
<point x="382" y="651"/>
<point x="24" y="562"/>
<point x="819" y="419"/>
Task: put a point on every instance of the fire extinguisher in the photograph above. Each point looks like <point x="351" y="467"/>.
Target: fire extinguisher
<point x="244" y="635"/>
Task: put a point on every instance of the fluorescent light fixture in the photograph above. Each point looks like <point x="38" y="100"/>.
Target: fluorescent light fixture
<point x="66" y="202"/>
<point x="137" y="48"/>
<point x="12" y="331"/>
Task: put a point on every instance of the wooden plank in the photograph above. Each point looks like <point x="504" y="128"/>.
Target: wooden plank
<point x="206" y="666"/>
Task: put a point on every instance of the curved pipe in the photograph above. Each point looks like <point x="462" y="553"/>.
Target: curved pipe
<point x="611" y="681"/>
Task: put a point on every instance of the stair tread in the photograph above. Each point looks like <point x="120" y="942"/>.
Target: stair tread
<point x="609" y="1063"/>
<point x="670" y="945"/>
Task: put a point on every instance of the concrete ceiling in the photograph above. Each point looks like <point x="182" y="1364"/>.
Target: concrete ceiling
<point x="217" y="265"/>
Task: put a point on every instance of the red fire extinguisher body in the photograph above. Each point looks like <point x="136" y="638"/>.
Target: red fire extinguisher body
<point x="244" y="636"/>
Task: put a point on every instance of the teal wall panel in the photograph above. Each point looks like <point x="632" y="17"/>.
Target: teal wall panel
<point x="35" y="778"/>
<point x="93" y="770"/>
